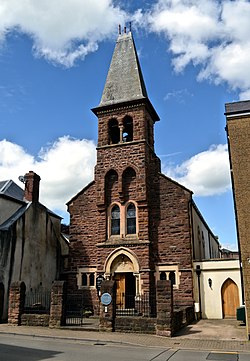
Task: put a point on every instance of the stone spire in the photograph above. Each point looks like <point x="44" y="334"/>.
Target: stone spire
<point x="124" y="81"/>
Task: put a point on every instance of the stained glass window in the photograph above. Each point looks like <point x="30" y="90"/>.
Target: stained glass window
<point x="115" y="220"/>
<point x="131" y="219"/>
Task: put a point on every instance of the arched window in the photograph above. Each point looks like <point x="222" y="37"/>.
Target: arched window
<point x="111" y="186"/>
<point x="115" y="220"/>
<point x="129" y="184"/>
<point x="131" y="219"/>
<point x="127" y="133"/>
<point x="114" y="132"/>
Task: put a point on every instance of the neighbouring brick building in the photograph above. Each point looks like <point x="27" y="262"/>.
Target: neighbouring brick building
<point x="132" y="224"/>
<point x="238" y="130"/>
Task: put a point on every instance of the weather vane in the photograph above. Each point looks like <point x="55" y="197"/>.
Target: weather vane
<point x="125" y="28"/>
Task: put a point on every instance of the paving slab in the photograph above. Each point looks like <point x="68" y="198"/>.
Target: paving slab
<point x="187" y="340"/>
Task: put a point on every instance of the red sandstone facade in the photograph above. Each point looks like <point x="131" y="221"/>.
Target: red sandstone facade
<point x="131" y="224"/>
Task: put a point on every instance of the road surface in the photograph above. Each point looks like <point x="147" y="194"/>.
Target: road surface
<point x="27" y="348"/>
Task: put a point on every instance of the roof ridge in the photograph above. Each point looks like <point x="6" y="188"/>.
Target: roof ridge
<point x="6" y="185"/>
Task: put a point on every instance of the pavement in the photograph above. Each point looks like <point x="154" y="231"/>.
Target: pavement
<point x="207" y="335"/>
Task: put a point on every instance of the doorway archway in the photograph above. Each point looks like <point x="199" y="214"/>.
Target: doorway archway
<point x="123" y="267"/>
<point x="230" y="298"/>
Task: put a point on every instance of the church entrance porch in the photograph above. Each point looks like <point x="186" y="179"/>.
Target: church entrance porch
<point x="122" y="266"/>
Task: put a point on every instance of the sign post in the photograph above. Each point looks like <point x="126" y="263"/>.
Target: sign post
<point x="99" y="280"/>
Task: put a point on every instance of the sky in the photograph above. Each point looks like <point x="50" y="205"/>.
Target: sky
<point x="54" y="59"/>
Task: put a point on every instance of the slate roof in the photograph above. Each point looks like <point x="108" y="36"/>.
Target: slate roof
<point x="237" y="107"/>
<point x="124" y="84"/>
<point x="15" y="216"/>
<point x="11" y="189"/>
<point x="124" y="81"/>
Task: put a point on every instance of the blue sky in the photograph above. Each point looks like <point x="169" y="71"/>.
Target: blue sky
<point x="54" y="58"/>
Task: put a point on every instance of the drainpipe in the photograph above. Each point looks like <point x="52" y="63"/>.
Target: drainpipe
<point x="198" y="272"/>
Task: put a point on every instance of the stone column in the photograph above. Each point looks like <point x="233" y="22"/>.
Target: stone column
<point x="57" y="304"/>
<point x="16" y="302"/>
<point x="164" y="300"/>
<point x="107" y="310"/>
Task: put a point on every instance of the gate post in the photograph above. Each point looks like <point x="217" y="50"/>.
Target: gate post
<point x="16" y="302"/>
<point x="164" y="302"/>
<point x="57" y="304"/>
<point x="107" y="306"/>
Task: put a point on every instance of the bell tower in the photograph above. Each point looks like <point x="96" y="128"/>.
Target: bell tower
<point x="126" y="161"/>
<point x="131" y="224"/>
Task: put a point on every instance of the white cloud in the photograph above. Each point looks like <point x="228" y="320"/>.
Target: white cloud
<point x="62" y="31"/>
<point x="65" y="167"/>
<point x="206" y="174"/>
<point x="179" y="95"/>
<point x="211" y="34"/>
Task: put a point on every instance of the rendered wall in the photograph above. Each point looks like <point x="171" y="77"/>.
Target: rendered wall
<point x="218" y="271"/>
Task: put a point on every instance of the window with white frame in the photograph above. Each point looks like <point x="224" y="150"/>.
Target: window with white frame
<point x="169" y="272"/>
<point x="122" y="220"/>
<point x="131" y="219"/>
<point x="115" y="220"/>
<point x="86" y="277"/>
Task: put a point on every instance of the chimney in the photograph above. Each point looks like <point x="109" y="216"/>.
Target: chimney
<point x="31" y="191"/>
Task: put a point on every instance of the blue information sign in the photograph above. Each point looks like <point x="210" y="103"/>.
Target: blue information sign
<point x="106" y="299"/>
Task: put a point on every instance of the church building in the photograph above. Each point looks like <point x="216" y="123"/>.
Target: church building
<point x="133" y="224"/>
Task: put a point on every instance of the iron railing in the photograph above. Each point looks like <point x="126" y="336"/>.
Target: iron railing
<point x="140" y="305"/>
<point x="37" y="301"/>
<point x="74" y="309"/>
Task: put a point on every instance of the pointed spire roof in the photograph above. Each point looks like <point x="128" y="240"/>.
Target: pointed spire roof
<point x="124" y="81"/>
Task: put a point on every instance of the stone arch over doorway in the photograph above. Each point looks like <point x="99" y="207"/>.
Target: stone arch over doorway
<point x="229" y="298"/>
<point x="112" y="261"/>
<point x="123" y="267"/>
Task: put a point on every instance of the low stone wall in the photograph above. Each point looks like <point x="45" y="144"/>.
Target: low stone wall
<point x="35" y="320"/>
<point x="182" y="318"/>
<point x="135" y="324"/>
<point x="167" y="323"/>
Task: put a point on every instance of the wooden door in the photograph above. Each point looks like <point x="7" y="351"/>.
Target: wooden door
<point x="230" y="298"/>
<point x="120" y="290"/>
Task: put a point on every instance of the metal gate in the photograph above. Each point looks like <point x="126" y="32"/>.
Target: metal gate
<point x="74" y="309"/>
